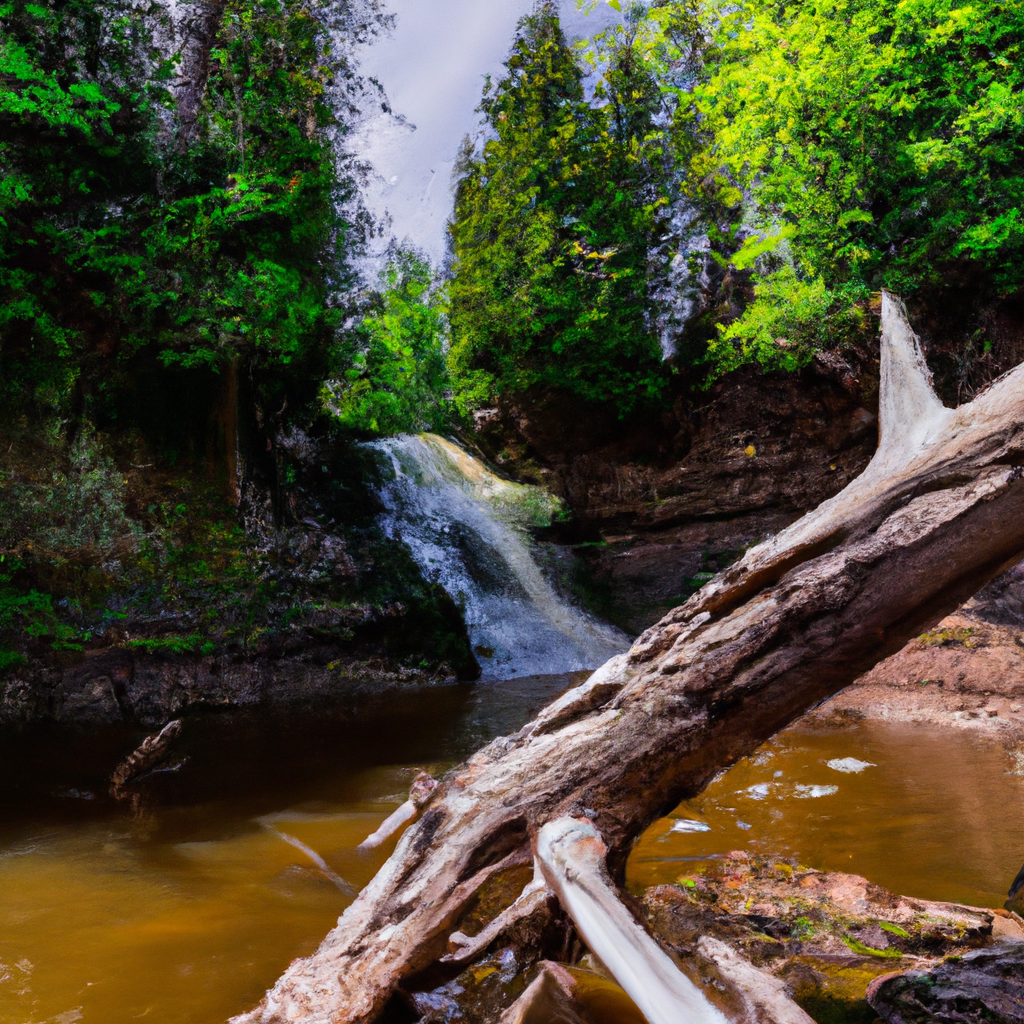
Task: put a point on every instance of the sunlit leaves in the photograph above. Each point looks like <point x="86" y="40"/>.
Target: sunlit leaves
<point x="394" y="378"/>
<point x="888" y="137"/>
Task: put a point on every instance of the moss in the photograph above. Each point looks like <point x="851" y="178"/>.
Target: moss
<point x="893" y="929"/>
<point x="833" y="992"/>
<point x="859" y="947"/>
<point x="959" y="636"/>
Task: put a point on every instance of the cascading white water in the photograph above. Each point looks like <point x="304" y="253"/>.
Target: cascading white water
<point x="467" y="529"/>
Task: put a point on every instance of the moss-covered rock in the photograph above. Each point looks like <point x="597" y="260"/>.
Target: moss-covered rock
<point x="828" y="935"/>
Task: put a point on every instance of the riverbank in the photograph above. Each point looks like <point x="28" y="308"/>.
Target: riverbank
<point x="965" y="674"/>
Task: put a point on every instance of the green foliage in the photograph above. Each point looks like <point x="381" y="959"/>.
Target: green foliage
<point x="126" y="224"/>
<point x="881" y="139"/>
<point x="788" y="320"/>
<point x="557" y="225"/>
<point x="193" y="643"/>
<point x="396" y="377"/>
<point x="27" y="613"/>
<point x="74" y="507"/>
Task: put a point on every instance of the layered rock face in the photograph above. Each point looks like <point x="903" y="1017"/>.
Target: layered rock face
<point x="660" y="502"/>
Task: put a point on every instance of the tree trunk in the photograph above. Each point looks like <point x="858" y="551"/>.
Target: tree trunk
<point x="198" y="25"/>
<point x="937" y="513"/>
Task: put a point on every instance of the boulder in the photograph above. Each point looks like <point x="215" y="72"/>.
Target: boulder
<point x="983" y="985"/>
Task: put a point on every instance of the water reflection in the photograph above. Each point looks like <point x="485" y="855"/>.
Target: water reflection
<point x="238" y="863"/>
<point x="920" y="810"/>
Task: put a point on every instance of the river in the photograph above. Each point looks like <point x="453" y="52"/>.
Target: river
<point x="187" y="909"/>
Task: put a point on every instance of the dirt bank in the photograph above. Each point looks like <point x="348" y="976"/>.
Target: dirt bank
<point x="966" y="674"/>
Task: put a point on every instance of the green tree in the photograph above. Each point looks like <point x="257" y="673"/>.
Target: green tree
<point x="395" y="378"/>
<point x="868" y="143"/>
<point x="117" y="239"/>
<point x="556" y="225"/>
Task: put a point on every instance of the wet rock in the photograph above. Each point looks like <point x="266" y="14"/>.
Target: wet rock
<point x="826" y="935"/>
<point x="965" y="672"/>
<point x="547" y="1000"/>
<point x="984" y="985"/>
<point x="118" y="684"/>
<point x="93" y="702"/>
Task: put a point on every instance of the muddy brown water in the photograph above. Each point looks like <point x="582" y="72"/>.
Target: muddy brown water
<point x="185" y="912"/>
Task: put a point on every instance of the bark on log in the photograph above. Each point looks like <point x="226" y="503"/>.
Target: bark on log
<point x="937" y="513"/>
<point x="149" y="753"/>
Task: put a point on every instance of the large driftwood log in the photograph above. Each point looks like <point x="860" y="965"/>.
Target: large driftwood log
<point x="937" y="513"/>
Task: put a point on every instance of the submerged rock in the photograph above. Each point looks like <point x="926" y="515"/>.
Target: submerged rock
<point x="985" y="985"/>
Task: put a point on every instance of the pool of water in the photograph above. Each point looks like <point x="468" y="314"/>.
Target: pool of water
<point x="921" y="810"/>
<point x="186" y="909"/>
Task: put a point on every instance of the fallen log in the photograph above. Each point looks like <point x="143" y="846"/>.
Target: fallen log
<point x="571" y="856"/>
<point x="938" y="512"/>
<point x="149" y="753"/>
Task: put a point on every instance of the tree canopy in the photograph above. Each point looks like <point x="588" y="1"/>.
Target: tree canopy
<point x="557" y="225"/>
<point x="869" y="143"/>
<point x="119" y="234"/>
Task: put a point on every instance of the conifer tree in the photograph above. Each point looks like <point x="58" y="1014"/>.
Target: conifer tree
<point x="553" y="229"/>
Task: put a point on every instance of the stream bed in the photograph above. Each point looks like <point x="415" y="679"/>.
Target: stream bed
<point x="185" y="910"/>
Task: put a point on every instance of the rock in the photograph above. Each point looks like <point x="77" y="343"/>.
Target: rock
<point x="983" y="985"/>
<point x="1015" y="899"/>
<point x="682" y="492"/>
<point x="966" y="672"/>
<point x="825" y="935"/>
<point x="91" y="702"/>
<point x="547" y="1000"/>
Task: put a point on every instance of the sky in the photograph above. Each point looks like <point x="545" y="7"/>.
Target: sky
<point x="432" y="68"/>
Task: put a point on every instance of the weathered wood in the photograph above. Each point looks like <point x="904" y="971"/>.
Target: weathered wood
<point x="764" y="997"/>
<point x="937" y="513"/>
<point x="548" y="1000"/>
<point x="419" y="793"/>
<point x="571" y="856"/>
<point x="149" y="753"/>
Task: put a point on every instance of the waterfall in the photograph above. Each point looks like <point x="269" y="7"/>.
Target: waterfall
<point x="468" y="530"/>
